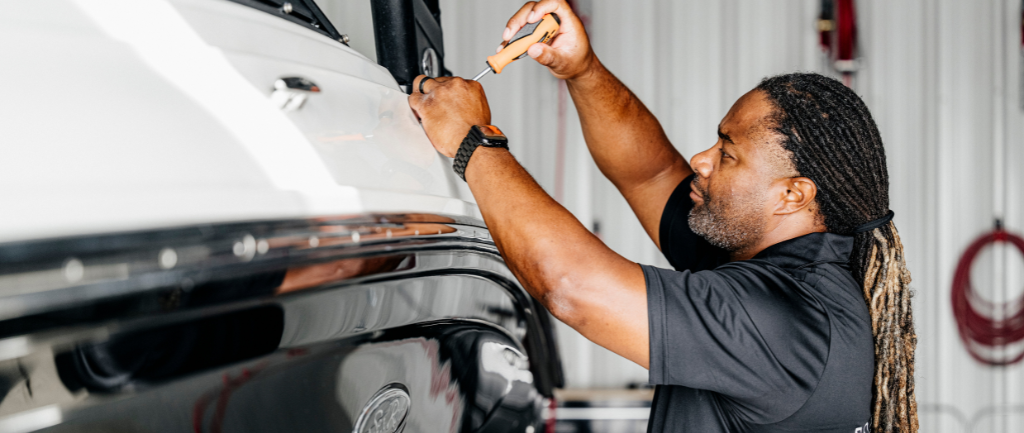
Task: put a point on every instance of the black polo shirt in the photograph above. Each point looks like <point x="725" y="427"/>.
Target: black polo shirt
<point x="778" y="343"/>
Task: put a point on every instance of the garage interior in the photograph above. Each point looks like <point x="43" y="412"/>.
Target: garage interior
<point x="943" y="79"/>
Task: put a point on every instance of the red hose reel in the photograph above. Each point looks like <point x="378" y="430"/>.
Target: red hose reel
<point x="980" y="330"/>
<point x="837" y="35"/>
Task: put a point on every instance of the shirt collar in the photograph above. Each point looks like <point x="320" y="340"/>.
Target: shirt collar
<point x="808" y="249"/>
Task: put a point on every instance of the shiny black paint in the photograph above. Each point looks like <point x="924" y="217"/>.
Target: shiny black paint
<point x="296" y="336"/>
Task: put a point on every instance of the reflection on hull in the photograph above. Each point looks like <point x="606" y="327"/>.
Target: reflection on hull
<point x="299" y="335"/>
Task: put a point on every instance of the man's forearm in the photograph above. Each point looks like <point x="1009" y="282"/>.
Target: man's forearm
<point x="534" y="233"/>
<point x="577" y="277"/>
<point x="626" y="140"/>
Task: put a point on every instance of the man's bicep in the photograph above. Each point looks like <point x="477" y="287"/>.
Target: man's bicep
<point x="610" y="309"/>
<point x="648" y="199"/>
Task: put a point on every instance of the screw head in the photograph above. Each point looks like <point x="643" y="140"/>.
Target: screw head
<point x="430" y="64"/>
<point x="344" y="39"/>
<point x="168" y="258"/>
<point x="287" y="8"/>
<point x="73" y="270"/>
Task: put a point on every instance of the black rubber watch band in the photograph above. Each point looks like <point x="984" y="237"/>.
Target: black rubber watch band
<point x="473" y="140"/>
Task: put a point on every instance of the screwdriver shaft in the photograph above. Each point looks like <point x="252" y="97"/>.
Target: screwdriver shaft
<point x="482" y="73"/>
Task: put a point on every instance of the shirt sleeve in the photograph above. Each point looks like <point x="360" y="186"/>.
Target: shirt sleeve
<point x="684" y="249"/>
<point x="722" y="331"/>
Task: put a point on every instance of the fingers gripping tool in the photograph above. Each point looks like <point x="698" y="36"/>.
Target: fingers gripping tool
<point x="539" y="32"/>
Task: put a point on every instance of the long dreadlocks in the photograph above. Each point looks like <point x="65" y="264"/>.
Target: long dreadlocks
<point x="835" y="143"/>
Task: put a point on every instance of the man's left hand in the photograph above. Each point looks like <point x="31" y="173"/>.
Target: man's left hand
<point x="447" y="108"/>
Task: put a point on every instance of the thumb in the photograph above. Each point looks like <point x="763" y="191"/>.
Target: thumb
<point x="543" y="54"/>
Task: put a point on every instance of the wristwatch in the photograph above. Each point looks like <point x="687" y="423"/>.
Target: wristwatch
<point x="479" y="135"/>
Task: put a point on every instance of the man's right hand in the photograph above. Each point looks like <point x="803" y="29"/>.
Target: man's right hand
<point x="627" y="142"/>
<point x="569" y="54"/>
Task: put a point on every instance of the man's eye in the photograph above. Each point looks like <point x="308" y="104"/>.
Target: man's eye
<point x="724" y="155"/>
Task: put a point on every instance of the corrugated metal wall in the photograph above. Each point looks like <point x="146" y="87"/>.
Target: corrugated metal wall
<point x="942" y="78"/>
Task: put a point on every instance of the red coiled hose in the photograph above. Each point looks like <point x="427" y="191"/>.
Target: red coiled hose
<point x="975" y="316"/>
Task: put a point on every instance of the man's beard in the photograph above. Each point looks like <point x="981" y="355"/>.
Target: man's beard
<point x="731" y="225"/>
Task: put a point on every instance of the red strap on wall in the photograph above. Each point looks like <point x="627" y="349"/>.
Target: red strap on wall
<point x="837" y="35"/>
<point x="846" y="30"/>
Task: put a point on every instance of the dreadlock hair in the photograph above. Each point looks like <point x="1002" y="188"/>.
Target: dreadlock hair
<point x="834" y="141"/>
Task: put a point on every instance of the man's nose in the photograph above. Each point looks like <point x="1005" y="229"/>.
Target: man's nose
<point x="703" y="163"/>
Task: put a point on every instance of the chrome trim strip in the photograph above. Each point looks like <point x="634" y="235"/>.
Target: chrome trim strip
<point x="51" y="274"/>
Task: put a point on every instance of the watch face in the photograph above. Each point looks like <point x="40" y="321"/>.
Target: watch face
<point x="491" y="132"/>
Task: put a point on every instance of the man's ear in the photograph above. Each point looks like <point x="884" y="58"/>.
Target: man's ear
<point x="799" y="195"/>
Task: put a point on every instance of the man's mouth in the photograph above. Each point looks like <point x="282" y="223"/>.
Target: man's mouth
<point x="696" y="192"/>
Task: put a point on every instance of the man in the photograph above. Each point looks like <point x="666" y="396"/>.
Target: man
<point x="789" y="307"/>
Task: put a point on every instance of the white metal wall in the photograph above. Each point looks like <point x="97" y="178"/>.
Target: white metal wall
<point x="942" y="78"/>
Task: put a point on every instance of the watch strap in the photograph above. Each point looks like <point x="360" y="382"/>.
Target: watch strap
<point x="469" y="144"/>
<point x="462" y="156"/>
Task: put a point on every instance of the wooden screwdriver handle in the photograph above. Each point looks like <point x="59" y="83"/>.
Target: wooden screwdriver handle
<point x="539" y="32"/>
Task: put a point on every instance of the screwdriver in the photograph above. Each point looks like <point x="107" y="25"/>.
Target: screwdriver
<point x="539" y="32"/>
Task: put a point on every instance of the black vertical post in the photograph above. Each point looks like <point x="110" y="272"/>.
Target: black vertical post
<point x="408" y="36"/>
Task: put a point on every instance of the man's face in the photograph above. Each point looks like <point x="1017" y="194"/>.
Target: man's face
<point x="731" y="192"/>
